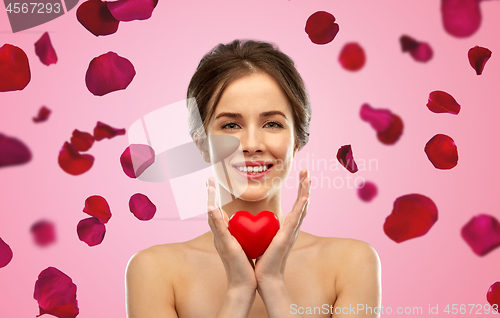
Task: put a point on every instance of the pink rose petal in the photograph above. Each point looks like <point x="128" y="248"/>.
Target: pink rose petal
<point x="442" y="102"/>
<point x="81" y="141"/>
<point x="94" y="15"/>
<point x="368" y="191"/>
<point x="91" y="231"/>
<point x="98" y="207"/>
<point x="43" y="232"/>
<point x="5" y="253"/>
<point x="14" y="69"/>
<point x="45" y="51"/>
<point x="128" y="10"/>
<point x="412" y="216"/>
<point x="13" y="151"/>
<point x="482" y="233"/>
<point x="442" y="152"/>
<point x="142" y="207"/>
<point x="321" y="27"/>
<point x="392" y="134"/>
<point x="493" y="297"/>
<point x="43" y="115"/>
<point x="136" y="158"/>
<point x="461" y="18"/>
<point x="379" y="119"/>
<point x="108" y="73"/>
<point x="478" y="56"/>
<point x="345" y="157"/>
<point x="72" y="162"/>
<point x="352" y="57"/>
<point x="102" y="131"/>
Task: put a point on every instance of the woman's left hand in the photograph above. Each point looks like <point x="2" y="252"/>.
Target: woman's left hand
<point x="270" y="267"/>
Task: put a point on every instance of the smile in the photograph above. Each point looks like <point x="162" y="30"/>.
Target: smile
<point x="253" y="172"/>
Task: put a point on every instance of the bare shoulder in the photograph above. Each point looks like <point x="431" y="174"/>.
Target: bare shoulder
<point x="349" y="250"/>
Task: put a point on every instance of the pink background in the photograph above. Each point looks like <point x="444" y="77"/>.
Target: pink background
<point x="438" y="268"/>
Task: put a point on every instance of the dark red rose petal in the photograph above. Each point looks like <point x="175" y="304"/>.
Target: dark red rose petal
<point x="412" y="216"/>
<point x="478" y="56"/>
<point x="442" y="151"/>
<point x="91" y="231"/>
<point x="45" y="51"/>
<point x="461" y="18"/>
<point x="368" y="191"/>
<point x="98" y="207"/>
<point x="13" y="151"/>
<point x="391" y="135"/>
<point x="379" y="119"/>
<point x="142" y="207"/>
<point x="482" y="233"/>
<point x="5" y="253"/>
<point x="72" y="162"/>
<point x="43" y="232"/>
<point x="442" y="102"/>
<point x="423" y="52"/>
<point x="94" y="15"/>
<point x="108" y="73"/>
<point x="136" y="158"/>
<point x="56" y="294"/>
<point x="352" y="57"/>
<point x="81" y="141"/>
<point x="102" y="131"/>
<point x="345" y="157"/>
<point x="408" y="43"/>
<point x="14" y="68"/>
<point x="493" y="297"/>
<point x="43" y="115"/>
<point x="321" y="27"/>
<point x="128" y="10"/>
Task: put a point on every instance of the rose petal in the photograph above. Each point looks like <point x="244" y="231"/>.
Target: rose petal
<point x="368" y="191"/>
<point x="91" y="231"/>
<point x="14" y="68"/>
<point x="13" y="151"/>
<point x="379" y="119"/>
<point x="142" y="207"/>
<point x="108" y="73"/>
<point x="493" y="296"/>
<point x="43" y="232"/>
<point x="321" y="27"/>
<point x="423" y="52"/>
<point x="43" y="115"/>
<point x="5" y="253"/>
<point x="128" y="10"/>
<point x="442" y="102"/>
<point x="98" y="207"/>
<point x="94" y="15"/>
<point x="136" y="158"/>
<point x="81" y="141"/>
<point x="345" y="157"/>
<point x="45" y="51"/>
<point x="392" y="134"/>
<point x="478" y="56"/>
<point x="461" y="18"/>
<point x="412" y="216"/>
<point x="72" y="162"/>
<point x="102" y="131"/>
<point x="352" y="57"/>
<point x="56" y="294"/>
<point x="408" y="43"/>
<point x="482" y="233"/>
<point x="442" y="152"/>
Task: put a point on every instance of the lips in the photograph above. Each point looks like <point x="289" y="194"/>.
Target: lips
<point x="252" y="175"/>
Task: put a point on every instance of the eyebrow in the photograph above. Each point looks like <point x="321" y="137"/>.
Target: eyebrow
<point x="263" y="114"/>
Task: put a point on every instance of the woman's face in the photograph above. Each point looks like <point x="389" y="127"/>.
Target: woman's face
<point x="255" y="109"/>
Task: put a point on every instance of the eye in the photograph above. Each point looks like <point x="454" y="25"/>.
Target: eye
<point x="274" y="124"/>
<point x="229" y="126"/>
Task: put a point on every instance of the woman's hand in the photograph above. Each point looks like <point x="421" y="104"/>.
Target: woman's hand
<point x="239" y="268"/>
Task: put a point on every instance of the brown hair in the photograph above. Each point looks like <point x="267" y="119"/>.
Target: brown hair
<point x="228" y="62"/>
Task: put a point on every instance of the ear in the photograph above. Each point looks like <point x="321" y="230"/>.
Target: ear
<point x="202" y="145"/>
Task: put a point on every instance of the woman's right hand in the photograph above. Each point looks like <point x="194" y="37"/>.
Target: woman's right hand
<point x="239" y="267"/>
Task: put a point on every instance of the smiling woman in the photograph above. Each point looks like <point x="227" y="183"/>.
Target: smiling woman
<point x="250" y="90"/>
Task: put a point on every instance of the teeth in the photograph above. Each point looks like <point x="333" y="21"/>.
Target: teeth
<point x="252" y="170"/>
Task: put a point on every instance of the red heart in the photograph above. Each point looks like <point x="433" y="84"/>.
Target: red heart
<point x="254" y="232"/>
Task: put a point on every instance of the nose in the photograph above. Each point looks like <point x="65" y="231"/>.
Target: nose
<point x="251" y="141"/>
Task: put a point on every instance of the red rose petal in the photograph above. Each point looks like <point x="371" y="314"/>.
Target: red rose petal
<point x="321" y="27"/>
<point x="412" y="216"/>
<point x="408" y="43"/>
<point x="142" y="207"/>
<point x="5" y="253"/>
<point x="43" y="115"/>
<point x="43" y="232"/>
<point x="442" y="102"/>
<point x="14" y="68"/>
<point x="136" y="158"/>
<point x="94" y="15"/>
<point x="461" y="18"/>
<point x="478" y="56"/>
<point x="102" y="131"/>
<point x="56" y="294"/>
<point x="345" y="157"/>
<point x="107" y="73"/>
<point x="392" y="134"/>
<point x="91" y="231"/>
<point x="442" y="151"/>
<point x="128" y="10"/>
<point x="379" y="119"/>
<point x="13" y="151"/>
<point x="45" y="51"/>
<point x="81" y="141"/>
<point x="368" y="191"/>
<point x="422" y="53"/>
<point x="482" y="233"/>
<point x="352" y="57"/>
<point x="98" y="207"/>
<point x="72" y="162"/>
<point x="493" y="297"/>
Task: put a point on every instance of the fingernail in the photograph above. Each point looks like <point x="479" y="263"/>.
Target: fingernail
<point x="308" y="173"/>
<point x="309" y="184"/>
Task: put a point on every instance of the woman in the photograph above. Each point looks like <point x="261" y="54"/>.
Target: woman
<point x="252" y="91"/>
